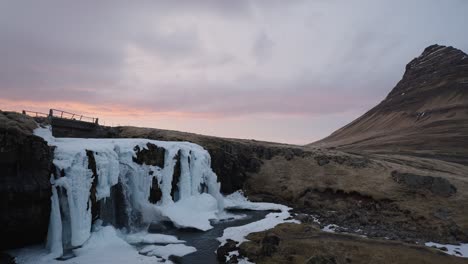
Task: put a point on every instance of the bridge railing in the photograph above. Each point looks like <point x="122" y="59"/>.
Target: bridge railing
<point x="34" y="113"/>
<point x="73" y="116"/>
<point x="62" y="114"/>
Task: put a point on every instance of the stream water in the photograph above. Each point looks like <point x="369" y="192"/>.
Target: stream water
<point x="206" y="242"/>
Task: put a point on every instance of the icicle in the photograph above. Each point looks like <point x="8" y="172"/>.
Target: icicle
<point x="167" y="175"/>
<point x="54" y="235"/>
<point x="108" y="171"/>
<point x="185" y="176"/>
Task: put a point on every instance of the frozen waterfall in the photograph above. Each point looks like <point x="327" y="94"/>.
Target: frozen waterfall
<point x="87" y="171"/>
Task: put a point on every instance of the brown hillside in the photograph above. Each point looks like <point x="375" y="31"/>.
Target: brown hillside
<point x="426" y="114"/>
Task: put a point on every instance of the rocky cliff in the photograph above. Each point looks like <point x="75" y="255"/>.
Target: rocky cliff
<point x="25" y="167"/>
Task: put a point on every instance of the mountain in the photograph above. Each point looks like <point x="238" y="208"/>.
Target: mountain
<point x="425" y="115"/>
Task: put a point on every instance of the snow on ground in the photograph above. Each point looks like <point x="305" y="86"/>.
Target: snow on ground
<point x="330" y="228"/>
<point x="178" y="250"/>
<point x="104" y="246"/>
<point x="456" y="250"/>
<point x="238" y="233"/>
<point x="240" y="260"/>
<point x="195" y="211"/>
<point x="237" y="200"/>
<point x="147" y="238"/>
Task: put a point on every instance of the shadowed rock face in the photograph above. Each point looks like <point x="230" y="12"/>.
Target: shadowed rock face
<point x="436" y="185"/>
<point x="152" y="155"/>
<point x="25" y="168"/>
<point x="6" y="259"/>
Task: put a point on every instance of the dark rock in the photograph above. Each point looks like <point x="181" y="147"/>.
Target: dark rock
<point x="113" y="209"/>
<point x="442" y="214"/>
<point x="255" y="164"/>
<point x="152" y="155"/>
<point x="233" y="260"/>
<point x="270" y="244"/>
<point x="322" y="160"/>
<point x="175" y="259"/>
<point x="289" y="155"/>
<point x="351" y="161"/>
<point x="224" y="250"/>
<point x="436" y="185"/>
<point x="442" y="187"/>
<point x="321" y="260"/>
<point x="95" y="207"/>
<point x="303" y="218"/>
<point x="25" y="190"/>
<point x="6" y="259"/>
<point x="176" y="177"/>
<point x="155" y="192"/>
<point x="231" y="163"/>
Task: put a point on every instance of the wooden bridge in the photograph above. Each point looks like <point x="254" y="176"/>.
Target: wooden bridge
<point x="55" y="113"/>
<point x="67" y="124"/>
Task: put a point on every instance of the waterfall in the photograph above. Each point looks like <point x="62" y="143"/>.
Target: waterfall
<point x="95" y="176"/>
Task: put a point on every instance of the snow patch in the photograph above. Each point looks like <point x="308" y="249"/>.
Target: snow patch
<point x="330" y="228"/>
<point x="104" y="246"/>
<point x="237" y="200"/>
<point x="195" y="212"/>
<point x="178" y="250"/>
<point x="240" y="260"/>
<point x="147" y="238"/>
<point x="238" y="233"/>
<point x="455" y="250"/>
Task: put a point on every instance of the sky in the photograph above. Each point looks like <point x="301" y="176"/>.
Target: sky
<point x="283" y="71"/>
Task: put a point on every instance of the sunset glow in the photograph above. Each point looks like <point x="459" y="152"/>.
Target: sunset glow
<point x="226" y="68"/>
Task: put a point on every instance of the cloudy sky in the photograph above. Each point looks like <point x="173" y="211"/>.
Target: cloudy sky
<point x="287" y="71"/>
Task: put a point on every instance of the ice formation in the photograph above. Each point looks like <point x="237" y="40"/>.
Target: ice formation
<point x="237" y="200"/>
<point x="178" y="250"/>
<point x="197" y="200"/>
<point x="104" y="246"/>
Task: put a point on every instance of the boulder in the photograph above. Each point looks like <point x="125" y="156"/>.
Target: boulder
<point x="436" y="185"/>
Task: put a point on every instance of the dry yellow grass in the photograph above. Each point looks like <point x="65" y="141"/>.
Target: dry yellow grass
<point x="305" y="244"/>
